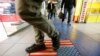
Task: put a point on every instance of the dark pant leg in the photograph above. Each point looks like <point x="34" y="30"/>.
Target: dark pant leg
<point x="65" y="13"/>
<point x="69" y="15"/>
<point x="54" y="14"/>
<point x="49" y="15"/>
<point x="39" y="36"/>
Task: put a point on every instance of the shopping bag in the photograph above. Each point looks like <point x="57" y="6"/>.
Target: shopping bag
<point x="61" y="16"/>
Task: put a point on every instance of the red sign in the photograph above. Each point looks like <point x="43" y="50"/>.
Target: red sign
<point x="9" y="18"/>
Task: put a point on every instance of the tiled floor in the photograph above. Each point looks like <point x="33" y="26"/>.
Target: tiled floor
<point x="15" y="45"/>
<point x="85" y="37"/>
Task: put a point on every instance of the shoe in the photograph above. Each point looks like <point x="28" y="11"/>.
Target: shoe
<point x="63" y="20"/>
<point x="56" y="42"/>
<point x="35" y="48"/>
<point x="68" y="22"/>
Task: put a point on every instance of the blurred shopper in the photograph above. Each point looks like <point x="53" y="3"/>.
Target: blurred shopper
<point x="68" y="6"/>
<point x="29" y="10"/>
<point x="51" y="10"/>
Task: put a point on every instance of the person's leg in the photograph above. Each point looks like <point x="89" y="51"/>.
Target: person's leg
<point x="65" y="13"/>
<point x="39" y="44"/>
<point x="29" y="10"/>
<point x="54" y="14"/>
<point x="51" y="14"/>
<point x="44" y="25"/>
<point x="69" y="15"/>
<point x="39" y="37"/>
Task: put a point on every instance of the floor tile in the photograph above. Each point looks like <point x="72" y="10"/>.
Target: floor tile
<point x="17" y="50"/>
<point x="4" y="48"/>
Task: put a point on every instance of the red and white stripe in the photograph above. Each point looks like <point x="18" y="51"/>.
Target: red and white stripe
<point x="44" y="54"/>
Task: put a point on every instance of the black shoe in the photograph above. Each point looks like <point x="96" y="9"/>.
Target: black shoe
<point x="63" y="20"/>
<point x="68" y="22"/>
<point x="35" y="48"/>
<point x="56" y="42"/>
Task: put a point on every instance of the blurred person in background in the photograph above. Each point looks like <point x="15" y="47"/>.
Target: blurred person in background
<point x="51" y="8"/>
<point x="68" y="6"/>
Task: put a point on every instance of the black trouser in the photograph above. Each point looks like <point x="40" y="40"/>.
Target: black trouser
<point x="69" y="11"/>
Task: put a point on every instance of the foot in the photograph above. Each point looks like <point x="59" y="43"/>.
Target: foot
<point x="68" y="22"/>
<point x="35" y="48"/>
<point x="56" y="43"/>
